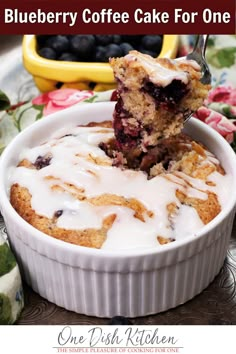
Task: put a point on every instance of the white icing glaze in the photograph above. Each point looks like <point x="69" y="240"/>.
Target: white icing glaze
<point x="186" y="61"/>
<point x="158" y="73"/>
<point x="212" y="158"/>
<point x="70" y="165"/>
<point x="189" y="228"/>
<point x="221" y="188"/>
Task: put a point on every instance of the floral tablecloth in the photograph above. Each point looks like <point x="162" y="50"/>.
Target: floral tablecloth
<point x="219" y="111"/>
<point x="11" y="293"/>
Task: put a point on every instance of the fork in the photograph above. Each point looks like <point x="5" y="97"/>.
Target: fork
<point x="198" y="54"/>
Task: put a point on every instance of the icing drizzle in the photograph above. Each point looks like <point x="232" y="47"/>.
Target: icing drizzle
<point x="79" y="173"/>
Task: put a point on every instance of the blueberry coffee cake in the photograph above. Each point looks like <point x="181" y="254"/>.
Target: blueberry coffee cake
<point x="70" y="189"/>
<point x="155" y="96"/>
<point x="135" y="182"/>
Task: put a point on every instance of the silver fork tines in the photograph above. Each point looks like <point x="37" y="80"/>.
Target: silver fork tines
<point x="198" y="54"/>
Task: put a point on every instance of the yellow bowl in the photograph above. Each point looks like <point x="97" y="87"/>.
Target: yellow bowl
<point x="48" y="73"/>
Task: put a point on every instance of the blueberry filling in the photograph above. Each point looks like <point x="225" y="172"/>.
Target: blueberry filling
<point x="163" y="153"/>
<point x="155" y="155"/>
<point x="126" y="134"/>
<point x="42" y="161"/>
<point x="167" y="96"/>
<point x="137" y="159"/>
<point x="120" y="110"/>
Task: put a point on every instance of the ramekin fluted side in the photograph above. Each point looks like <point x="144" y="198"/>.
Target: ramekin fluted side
<point x="103" y="293"/>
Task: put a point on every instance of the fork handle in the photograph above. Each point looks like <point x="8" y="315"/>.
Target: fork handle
<point x="201" y="43"/>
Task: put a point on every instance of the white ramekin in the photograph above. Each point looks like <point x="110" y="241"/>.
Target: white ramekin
<point x="96" y="282"/>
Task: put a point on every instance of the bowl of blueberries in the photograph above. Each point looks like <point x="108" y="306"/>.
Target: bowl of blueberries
<point x="82" y="61"/>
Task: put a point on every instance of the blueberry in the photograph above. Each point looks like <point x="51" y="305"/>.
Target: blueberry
<point x="83" y="46"/>
<point x="41" y="39"/>
<point x="47" y="53"/>
<point x="98" y="48"/>
<point x="68" y="57"/>
<point x="59" y="43"/>
<point x="117" y="39"/>
<point x="58" y="213"/>
<point x="42" y="161"/>
<point x="119" y="320"/>
<point x="59" y="84"/>
<point x="148" y="52"/>
<point x="132" y="39"/>
<point x="103" y="39"/>
<point x="152" y="42"/>
<point x="126" y="48"/>
<point x="113" y="50"/>
<point x="100" y="54"/>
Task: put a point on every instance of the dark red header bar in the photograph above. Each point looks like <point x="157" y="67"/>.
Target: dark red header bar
<point x="124" y="17"/>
